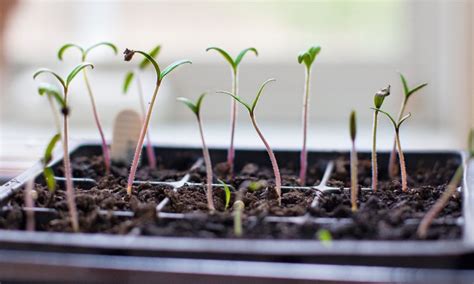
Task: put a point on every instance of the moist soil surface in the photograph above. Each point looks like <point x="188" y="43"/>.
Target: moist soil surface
<point x="388" y="214"/>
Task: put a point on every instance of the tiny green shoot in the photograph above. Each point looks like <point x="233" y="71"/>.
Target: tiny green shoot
<point x="48" y="173"/>
<point x="378" y="101"/>
<point x="160" y="75"/>
<point x="196" y="109"/>
<point x="325" y="237"/>
<point x="307" y="58"/>
<point x="234" y="64"/>
<point x="401" y="156"/>
<point x="251" y="111"/>
<point x="238" y="207"/>
<point x="256" y="185"/>
<point x="126" y="86"/>
<point x="407" y="93"/>
<point x="354" y="161"/>
<point x="450" y="191"/>
<point x="65" y="135"/>
<point x="227" y="193"/>
<point x="84" y="52"/>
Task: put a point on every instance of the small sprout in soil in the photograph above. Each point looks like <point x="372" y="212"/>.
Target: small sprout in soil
<point x="234" y="64"/>
<point x="29" y="204"/>
<point x="307" y="58"/>
<point x="256" y="185"/>
<point x="378" y="101"/>
<point x="238" y="210"/>
<point x="251" y="111"/>
<point x="84" y="52"/>
<point x="354" y="162"/>
<point x="407" y="93"/>
<point x="324" y="236"/>
<point x="47" y="171"/>
<point x="126" y="86"/>
<point x="227" y="193"/>
<point x="160" y="75"/>
<point x="65" y="135"/>
<point x="401" y="156"/>
<point x="196" y="109"/>
<point x="450" y="191"/>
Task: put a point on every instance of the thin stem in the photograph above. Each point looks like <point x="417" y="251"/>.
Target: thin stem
<point x="207" y="161"/>
<point x="276" y="169"/>
<point x="354" y="176"/>
<point x="70" y="195"/>
<point x="105" y="148"/>
<point x="57" y="122"/>
<point x="138" y="149"/>
<point x="238" y="208"/>
<point x="149" y="147"/>
<point x="392" y="169"/>
<point x="304" y="152"/>
<point x="233" y="121"/>
<point x="451" y="188"/>
<point x="29" y="204"/>
<point x="374" y="152"/>
<point x="401" y="157"/>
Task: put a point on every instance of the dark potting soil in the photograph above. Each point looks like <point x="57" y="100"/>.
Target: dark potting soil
<point x="382" y="215"/>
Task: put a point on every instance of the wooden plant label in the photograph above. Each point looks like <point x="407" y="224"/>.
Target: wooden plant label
<point x="127" y="128"/>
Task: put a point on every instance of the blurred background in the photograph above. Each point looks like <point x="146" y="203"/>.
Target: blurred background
<point x="364" y="44"/>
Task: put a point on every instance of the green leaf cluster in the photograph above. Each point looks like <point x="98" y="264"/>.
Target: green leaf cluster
<point x="85" y="51"/>
<point x="309" y="56"/>
<point x="234" y="63"/>
<point x="407" y="91"/>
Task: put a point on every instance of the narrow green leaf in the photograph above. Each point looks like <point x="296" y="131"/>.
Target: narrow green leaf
<point x="129" y="55"/>
<point x="416" y="89"/>
<point x="49" y="178"/>
<point x="403" y="120"/>
<point x="128" y="80"/>
<point x="405" y="85"/>
<point x="227" y="193"/>
<point x="173" y="66"/>
<point x="388" y="115"/>
<point x="53" y="91"/>
<point x="199" y="102"/>
<point x="240" y="100"/>
<point x="105" y="43"/>
<point x="48" y="71"/>
<point x="309" y="56"/>
<point x="260" y="91"/>
<point x="76" y="70"/>
<point x="67" y="46"/>
<point x="225" y="55"/>
<point x="189" y="103"/>
<point x="241" y="55"/>
<point x="353" y="125"/>
<point x="48" y="153"/>
<point x="153" y="53"/>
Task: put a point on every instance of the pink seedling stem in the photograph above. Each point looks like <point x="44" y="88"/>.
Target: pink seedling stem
<point x="307" y="58"/>
<point x="196" y="109"/>
<point x="149" y="146"/>
<point x="234" y="64"/>
<point x="251" y="110"/>
<point x="378" y="101"/>
<point x="160" y="75"/>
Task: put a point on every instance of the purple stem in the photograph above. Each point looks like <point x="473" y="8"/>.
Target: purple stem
<point x="138" y="149"/>
<point x="105" y="148"/>
<point x="233" y="118"/>
<point x="149" y="147"/>
<point x="207" y="161"/>
<point x="276" y="170"/>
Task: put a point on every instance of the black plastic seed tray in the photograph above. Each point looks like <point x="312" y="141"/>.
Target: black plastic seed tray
<point x="382" y="256"/>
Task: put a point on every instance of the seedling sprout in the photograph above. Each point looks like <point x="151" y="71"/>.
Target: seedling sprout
<point x="227" y="193"/>
<point x="126" y="86"/>
<point x="160" y="75"/>
<point x="354" y="162"/>
<point x="29" y="204"/>
<point x="84" y="52"/>
<point x="407" y="93"/>
<point x="238" y="207"/>
<point x="401" y="156"/>
<point x="307" y="58"/>
<point x="451" y="189"/>
<point x="234" y="64"/>
<point x="251" y="111"/>
<point x="65" y="135"/>
<point x="378" y="101"/>
<point x="196" y="109"/>
<point x="325" y="237"/>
